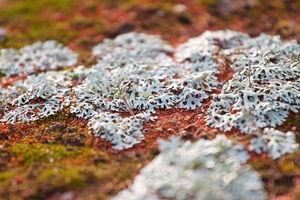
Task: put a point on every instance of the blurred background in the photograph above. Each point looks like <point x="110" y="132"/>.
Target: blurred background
<point x="82" y="24"/>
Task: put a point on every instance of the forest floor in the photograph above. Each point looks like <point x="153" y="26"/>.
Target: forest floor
<point x="57" y="157"/>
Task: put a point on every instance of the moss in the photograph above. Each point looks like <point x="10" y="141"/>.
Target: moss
<point x="90" y="6"/>
<point x="262" y="165"/>
<point x="6" y="176"/>
<point x="62" y="176"/>
<point x="1" y="74"/>
<point x="59" y="116"/>
<point x="39" y="181"/>
<point x="96" y="155"/>
<point x="80" y="21"/>
<point x="34" y="33"/>
<point x="296" y="195"/>
<point x="290" y="163"/>
<point x="30" y="153"/>
<point x="29" y="22"/>
<point x="209" y="3"/>
<point x="119" y="3"/>
<point x="292" y="121"/>
<point x="288" y="167"/>
<point x="32" y="174"/>
<point x="20" y="8"/>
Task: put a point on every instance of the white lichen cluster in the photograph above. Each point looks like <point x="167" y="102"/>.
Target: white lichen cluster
<point x="132" y="49"/>
<point x="40" y="56"/>
<point x="122" y="132"/>
<point x="275" y="142"/>
<point x="208" y="46"/>
<point x="202" y="170"/>
<point x="264" y="88"/>
<point x="136" y="74"/>
<point x="37" y="97"/>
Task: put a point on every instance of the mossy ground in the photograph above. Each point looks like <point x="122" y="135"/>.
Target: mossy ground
<point x="54" y="156"/>
<point x="57" y="156"/>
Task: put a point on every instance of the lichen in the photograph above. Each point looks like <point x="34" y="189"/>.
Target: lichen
<point x="201" y="170"/>
<point x="136" y="74"/>
<point x="40" y="56"/>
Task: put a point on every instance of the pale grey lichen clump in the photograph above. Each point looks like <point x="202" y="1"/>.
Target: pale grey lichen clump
<point x="209" y="45"/>
<point x="122" y="132"/>
<point x="38" y="96"/>
<point x="40" y="56"/>
<point x="264" y="88"/>
<point x="133" y="49"/>
<point x="136" y="74"/>
<point x="202" y="170"/>
<point x="275" y="142"/>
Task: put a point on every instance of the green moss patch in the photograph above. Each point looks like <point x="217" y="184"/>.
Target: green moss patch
<point x="38" y="170"/>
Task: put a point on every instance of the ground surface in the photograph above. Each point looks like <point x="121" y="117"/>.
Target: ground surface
<point x="57" y="158"/>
